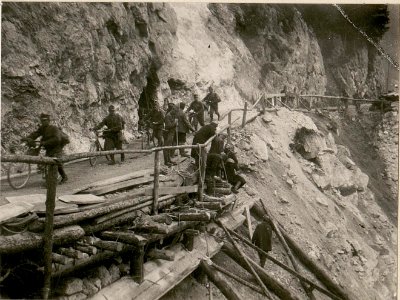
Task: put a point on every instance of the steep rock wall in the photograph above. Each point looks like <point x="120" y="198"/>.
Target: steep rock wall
<point x="72" y="60"/>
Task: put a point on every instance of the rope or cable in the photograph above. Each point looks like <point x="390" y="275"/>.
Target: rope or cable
<point x="379" y="48"/>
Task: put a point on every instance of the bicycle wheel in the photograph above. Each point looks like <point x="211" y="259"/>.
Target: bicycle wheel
<point x="93" y="159"/>
<point x="18" y="174"/>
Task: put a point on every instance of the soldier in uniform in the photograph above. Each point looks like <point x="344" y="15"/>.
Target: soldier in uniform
<point x="262" y="238"/>
<point x="183" y="128"/>
<point x="231" y="168"/>
<point x="113" y="134"/>
<point x="212" y="99"/>
<point x="170" y="123"/>
<point x="201" y="136"/>
<point x="198" y="107"/>
<point x="157" y="118"/>
<point x="51" y="141"/>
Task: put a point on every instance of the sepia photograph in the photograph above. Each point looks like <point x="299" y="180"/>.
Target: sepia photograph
<point x="199" y="150"/>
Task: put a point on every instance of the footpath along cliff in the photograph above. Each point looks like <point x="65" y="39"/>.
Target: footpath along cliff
<point x="75" y="59"/>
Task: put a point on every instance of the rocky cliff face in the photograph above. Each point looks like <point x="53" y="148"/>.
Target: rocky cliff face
<point x="73" y="60"/>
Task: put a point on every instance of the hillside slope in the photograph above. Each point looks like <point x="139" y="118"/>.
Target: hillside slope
<point x="324" y="204"/>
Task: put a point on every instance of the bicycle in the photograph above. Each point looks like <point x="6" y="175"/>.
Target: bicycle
<point x="18" y="173"/>
<point x="96" y="146"/>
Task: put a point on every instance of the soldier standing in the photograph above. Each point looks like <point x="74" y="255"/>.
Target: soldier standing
<point x="113" y="134"/>
<point x="212" y="99"/>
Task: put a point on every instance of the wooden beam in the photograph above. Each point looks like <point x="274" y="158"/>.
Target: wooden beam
<point x="249" y="267"/>
<point x="288" y="252"/>
<point x="125" y="236"/>
<point x="224" y="286"/>
<point x="52" y="172"/>
<point x="238" y="279"/>
<point x="320" y="274"/>
<point x="283" y="266"/>
<point x="248" y="220"/>
<point x="156" y="181"/>
<point x="169" y="190"/>
<point x="268" y="280"/>
<point x="73" y="253"/>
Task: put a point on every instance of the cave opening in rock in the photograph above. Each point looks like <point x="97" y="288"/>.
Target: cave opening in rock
<point x="147" y="99"/>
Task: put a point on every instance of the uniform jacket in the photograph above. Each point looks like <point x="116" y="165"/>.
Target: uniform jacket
<point x="204" y="134"/>
<point x="157" y="118"/>
<point x="51" y="138"/>
<point x="114" y="123"/>
<point x="183" y="122"/>
<point x="217" y="145"/>
<point x="196" y="106"/>
<point x="170" y="123"/>
<point x="212" y="99"/>
<point x="262" y="236"/>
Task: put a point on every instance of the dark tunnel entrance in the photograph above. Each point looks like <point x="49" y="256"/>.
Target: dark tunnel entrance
<point x="147" y="99"/>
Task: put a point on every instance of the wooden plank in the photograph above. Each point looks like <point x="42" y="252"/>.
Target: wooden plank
<point x="113" y="180"/>
<point x="81" y="199"/>
<point x="126" y="184"/>
<point x="248" y="219"/>
<point x="161" y="276"/>
<point x="38" y="202"/>
<point x="11" y="210"/>
<point x="166" y="190"/>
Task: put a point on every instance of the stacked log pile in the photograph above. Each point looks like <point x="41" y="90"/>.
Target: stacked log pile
<point x="120" y="229"/>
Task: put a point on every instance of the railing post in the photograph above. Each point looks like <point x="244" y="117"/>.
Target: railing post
<point x="244" y="114"/>
<point x="49" y="226"/>
<point x="156" y="180"/>
<point x="202" y="173"/>
<point x="229" y="128"/>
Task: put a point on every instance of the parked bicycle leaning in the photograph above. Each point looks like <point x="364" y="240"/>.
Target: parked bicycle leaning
<point x="53" y="140"/>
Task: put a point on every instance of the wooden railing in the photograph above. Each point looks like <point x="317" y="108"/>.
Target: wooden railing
<point x="52" y="164"/>
<point x="271" y="100"/>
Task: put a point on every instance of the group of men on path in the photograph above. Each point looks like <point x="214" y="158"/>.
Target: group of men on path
<point x="168" y="130"/>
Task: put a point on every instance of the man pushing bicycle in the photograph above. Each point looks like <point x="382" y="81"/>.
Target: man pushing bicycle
<point x="52" y="141"/>
<point x="113" y="134"/>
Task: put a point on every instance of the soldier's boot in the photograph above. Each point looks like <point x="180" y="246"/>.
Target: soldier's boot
<point x="236" y="187"/>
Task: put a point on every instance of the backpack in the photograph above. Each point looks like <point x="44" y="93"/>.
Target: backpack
<point x="64" y="138"/>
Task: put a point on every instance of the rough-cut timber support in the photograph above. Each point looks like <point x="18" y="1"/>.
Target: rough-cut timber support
<point x="156" y="181"/>
<point x="283" y="266"/>
<point x="61" y="259"/>
<point x="84" y="264"/>
<point x="238" y="279"/>
<point x="226" y="289"/>
<point x="86" y="249"/>
<point x="269" y="281"/>
<point x="306" y="288"/>
<point x="203" y="216"/>
<point x="63" y="220"/>
<point x="306" y="261"/>
<point x="72" y="253"/>
<point x="125" y="236"/>
<point x="189" y="237"/>
<point x="161" y="254"/>
<point x="317" y="270"/>
<point x="202" y="172"/>
<point x="249" y="267"/>
<point x="209" y="205"/>
<point x="137" y="260"/>
<point x="48" y="229"/>
<point x="109" y="245"/>
<point x="29" y="240"/>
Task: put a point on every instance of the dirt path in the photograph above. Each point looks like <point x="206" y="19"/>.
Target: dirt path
<point x="82" y="173"/>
